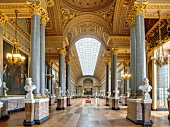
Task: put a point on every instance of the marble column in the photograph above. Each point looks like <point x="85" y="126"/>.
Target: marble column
<point x="68" y="80"/>
<point x="35" y="52"/>
<point x="140" y="51"/>
<point x="114" y="84"/>
<point x="3" y="20"/>
<point x="114" y="101"/>
<point x="68" y="83"/>
<point x="133" y="59"/>
<point x="42" y="57"/>
<point x="62" y="70"/>
<point x="49" y="78"/>
<point x="107" y="76"/>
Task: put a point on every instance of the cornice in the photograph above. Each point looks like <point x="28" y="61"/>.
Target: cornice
<point x="119" y="41"/>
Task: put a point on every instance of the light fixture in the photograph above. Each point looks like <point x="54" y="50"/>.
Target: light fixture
<point x="160" y="58"/>
<point x="126" y="76"/>
<point x="15" y="57"/>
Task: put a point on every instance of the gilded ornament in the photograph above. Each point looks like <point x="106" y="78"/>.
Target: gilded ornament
<point x="3" y="19"/>
<point x="107" y="62"/>
<point x="34" y="7"/>
<point x="114" y="51"/>
<point x="68" y="61"/>
<point x="44" y="16"/>
<point x="50" y="3"/>
<point x="140" y="7"/>
<point x="61" y="51"/>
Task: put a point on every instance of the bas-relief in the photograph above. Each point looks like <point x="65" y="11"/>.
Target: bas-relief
<point x="14" y="75"/>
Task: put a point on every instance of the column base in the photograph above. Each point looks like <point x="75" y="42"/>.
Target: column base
<point x="135" y="121"/>
<point x="60" y="108"/>
<point x="147" y="124"/>
<point x="6" y="116"/>
<point x="115" y="108"/>
<point x="62" y="103"/>
<point x="26" y="123"/>
<point x="68" y="101"/>
<point x="42" y="120"/>
<point x="107" y="101"/>
<point x="69" y="105"/>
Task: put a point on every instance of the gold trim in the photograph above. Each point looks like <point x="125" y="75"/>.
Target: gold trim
<point x="61" y="51"/>
<point x="114" y="51"/>
<point x="68" y="62"/>
<point x="3" y="19"/>
<point x="107" y="62"/>
<point x="34" y="7"/>
<point x="140" y="7"/>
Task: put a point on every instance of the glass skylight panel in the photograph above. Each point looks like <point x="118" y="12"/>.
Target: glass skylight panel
<point x="88" y="50"/>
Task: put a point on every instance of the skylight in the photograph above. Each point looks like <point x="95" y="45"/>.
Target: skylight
<point x="88" y="50"/>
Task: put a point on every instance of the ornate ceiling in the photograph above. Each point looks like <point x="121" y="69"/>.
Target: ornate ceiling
<point x="104" y="20"/>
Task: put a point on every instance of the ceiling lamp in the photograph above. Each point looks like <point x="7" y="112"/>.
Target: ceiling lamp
<point x="160" y="58"/>
<point x="126" y="76"/>
<point x="15" y="57"/>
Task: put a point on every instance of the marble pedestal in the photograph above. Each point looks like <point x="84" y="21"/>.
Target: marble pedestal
<point x="168" y="99"/>
<point x="124" y="100"/>
<point x="61" y="103"/>
<point x="120" y="99"/>
<point x="4" y="109"/>
<point x="29" y="113"/>
<point x="146" y="112"/>
<point x="52" y="100"/>
<point x="107" y="101"/>
<point x="134" y="110"/>
<point x="41" y="113"/>
<point x="114" y="103"/>
<point x="68" y="101"/>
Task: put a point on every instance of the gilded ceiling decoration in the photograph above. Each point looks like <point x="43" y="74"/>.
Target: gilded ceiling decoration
<point x="88" y="5"/>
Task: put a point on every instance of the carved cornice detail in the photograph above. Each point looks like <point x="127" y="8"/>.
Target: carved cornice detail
<point x="3" y="19"/>
<point x="119" y="41"/>
<point x="140" y="7"/>
<point x="61" y="51"/>
<point x="50" y="3"/>
<point x="157" y="6"/>
<point x="44" y="16"/>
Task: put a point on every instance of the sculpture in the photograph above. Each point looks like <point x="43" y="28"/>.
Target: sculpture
<point x="29" y="87"/>
<point x="128" y="92"/>
<point x="67" y="93"/>
<point x="47" y="92"/>
<point x="116" y="91"/>
<point x="5" y="89"/>
<point x="0" y="83"/>
<point x="60" y="92"/>
<point x="109" y="94"/>
<point x="146" y="88"/>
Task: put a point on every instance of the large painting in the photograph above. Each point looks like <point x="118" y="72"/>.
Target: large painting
<point x="14" y="75"/>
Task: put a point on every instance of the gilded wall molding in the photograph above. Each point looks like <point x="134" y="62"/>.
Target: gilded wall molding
<point x="49" y="3"/>
<point x="3" y="19"/>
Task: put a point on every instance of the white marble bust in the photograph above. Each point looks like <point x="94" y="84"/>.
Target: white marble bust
<point x="29" y="87"/>
<point x="5" y="89"/>
<point x="116" y="93"/>
<point x="146" y="88"/>
<point x="109" y="94"/>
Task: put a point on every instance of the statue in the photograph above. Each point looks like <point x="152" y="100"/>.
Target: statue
<point x="29" y="87"/>
<point x="128" y="92"/>
<point x="67" y="93"/>
<point x="116" y="93"/>
<point x="146" y="88"/>
<point x="5" y="89"/>
<point x="47" y="92"/>
<point x="0" y="83"/>
<point x="60" y="92"/>
<point x="109" y="94"/>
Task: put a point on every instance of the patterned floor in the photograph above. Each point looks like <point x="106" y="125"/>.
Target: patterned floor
<point x="82" y="114"/>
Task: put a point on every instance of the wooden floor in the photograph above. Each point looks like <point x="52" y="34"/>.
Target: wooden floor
<point x="82" y="114"/>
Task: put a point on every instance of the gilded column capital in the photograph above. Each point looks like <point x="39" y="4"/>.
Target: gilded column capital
<point x="131" y="16"/>
<point x="61" y="51"/>
<point x="35" y="7"/>
<point x="114" y="51"/>
<point x="107" y="62"/>
<point x="140" y="7"/>
<point x="68" y="62"/>
<point x="44" y="16"/>
<point x="3" y="19"/>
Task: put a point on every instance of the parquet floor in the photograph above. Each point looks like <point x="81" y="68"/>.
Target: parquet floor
<point x="82" y="114"/>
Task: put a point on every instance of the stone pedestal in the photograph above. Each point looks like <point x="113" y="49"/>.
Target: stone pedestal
<point x="41" y="110"/>
<point x="68" y="101"/>
<point x="29" y="113"/>
<point x="107" y="101"/>
<point x="168" y="99"/>
<point x="4" y="109"/>
<point x="52" y="100"/>
<point x="134" y="110"/>
<point x="114" y="103"/>
<point x="146" y="112"/>
<point x="124" y="100"/>
<point x="61" y="103"/>
<point x="120" y="99"/>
